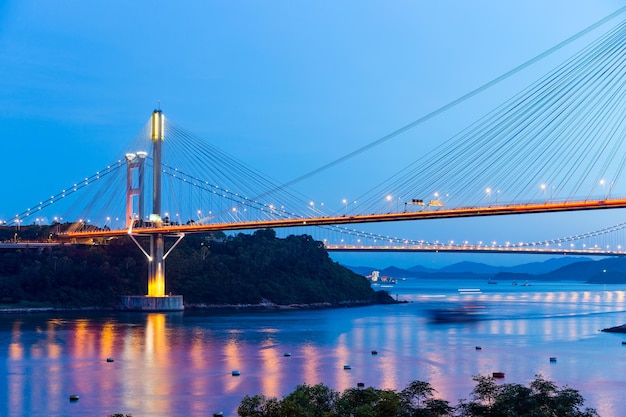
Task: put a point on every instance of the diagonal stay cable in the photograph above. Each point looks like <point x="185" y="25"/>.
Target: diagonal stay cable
<point x="457" y="101"/>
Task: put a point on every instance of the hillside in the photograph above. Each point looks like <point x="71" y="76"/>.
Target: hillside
<point x="244" y="269"/>
<point x="602" y="271"/>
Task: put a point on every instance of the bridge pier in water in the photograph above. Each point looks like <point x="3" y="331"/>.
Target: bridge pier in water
<point x="156" y="299"/>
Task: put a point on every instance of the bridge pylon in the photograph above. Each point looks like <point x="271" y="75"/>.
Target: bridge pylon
<point x="156" y="299"/>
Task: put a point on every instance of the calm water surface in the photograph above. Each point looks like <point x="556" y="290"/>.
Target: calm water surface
<point x="179" y="364"/>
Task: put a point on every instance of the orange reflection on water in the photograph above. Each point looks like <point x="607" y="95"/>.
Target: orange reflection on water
<point x="199" y="361"/>
<point x="311" y="364"/>
<point x="83" y="342"/>
<point x="343" y="358"/>
<point x="157" y="349"/>
<point x="387" y="364"/>
<point x="233" y="362"/>
<point x="272" y="369"/>
<point x="16" y="350"/>
<point x="107" y="338"/>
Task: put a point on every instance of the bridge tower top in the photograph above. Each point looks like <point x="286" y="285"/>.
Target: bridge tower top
<point x="158" y="136"/>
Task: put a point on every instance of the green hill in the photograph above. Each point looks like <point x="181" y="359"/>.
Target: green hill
<point x="209" y="270"/>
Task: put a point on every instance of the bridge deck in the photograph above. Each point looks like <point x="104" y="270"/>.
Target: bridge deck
<point x="547" y="207"/>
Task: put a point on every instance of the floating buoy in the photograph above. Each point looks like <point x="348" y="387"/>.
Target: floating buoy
<point x="347" y="367"/>
<point x="624" y="342"/>
<point x="478" y="348"/>
<point x="235" y="373"/>
<point x="287" y="354"/>
<point x="110" y="360"/>
<point x="219" y="414"/>
<point x="360" y="385"/>
<point x="552" y="359"/>
<point x="498" y="375"/>
<point x="374" y="352"/>
<point x="73" y="398"/>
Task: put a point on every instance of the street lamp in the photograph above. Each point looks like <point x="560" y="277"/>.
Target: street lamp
<point x="602" y="184"/>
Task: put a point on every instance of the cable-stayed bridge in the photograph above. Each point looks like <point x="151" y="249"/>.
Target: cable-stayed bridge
<point x="556" y="146"/>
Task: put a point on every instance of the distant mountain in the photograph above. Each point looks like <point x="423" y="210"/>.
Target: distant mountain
<point x="544" y="267"/>
<point x="610" y="270"/>
<point x="471" y="267"/>
<point x="475" y="268"/>
<point x="422" y="269"/>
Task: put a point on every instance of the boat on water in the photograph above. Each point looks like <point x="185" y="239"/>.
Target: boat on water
<point x="458" y="314"/>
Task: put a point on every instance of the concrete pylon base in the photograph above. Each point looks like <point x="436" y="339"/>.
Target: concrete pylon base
<point x="147" y="303"/>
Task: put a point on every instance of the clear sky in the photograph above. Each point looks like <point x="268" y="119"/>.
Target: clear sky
<point x="285" y="86"/>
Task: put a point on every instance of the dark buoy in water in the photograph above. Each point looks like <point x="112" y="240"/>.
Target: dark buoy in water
<point x="218" y="414"/>
<point x="73" y="398"/>
<point x="478" y="348"/>
<point x="287" y="354"/>
<point x="347" y="367"/>
<point x="235" y="373"/>
<point x="110" y="360"/>
<point x="552" y="359"/>
<point x="498" y="375"/>
<point x="374" y="352"/>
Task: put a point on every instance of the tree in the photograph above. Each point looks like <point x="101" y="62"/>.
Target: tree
<point x="259" y="406"/>
<point x="417" y="399"/>
<point x="541" y="398"/>
<point x="311" y="401"/>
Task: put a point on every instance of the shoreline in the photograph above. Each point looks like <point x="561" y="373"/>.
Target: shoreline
<point x="263" y="306"/>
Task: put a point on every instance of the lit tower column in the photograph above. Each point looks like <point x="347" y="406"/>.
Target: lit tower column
<point x="156" y="266"/>
<point x="155" y="300"/>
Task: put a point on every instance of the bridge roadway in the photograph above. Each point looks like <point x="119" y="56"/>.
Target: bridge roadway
<point x="405" y="248"/>
<point x="495" y="210"/>
<point x="542" y="250"/>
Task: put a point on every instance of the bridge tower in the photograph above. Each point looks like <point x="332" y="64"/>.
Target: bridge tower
<point x="156" y="266"/>
<point x="135" y="162"/>
<point x="155" y="300"/>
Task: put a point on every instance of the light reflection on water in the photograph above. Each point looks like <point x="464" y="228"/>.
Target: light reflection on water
<point x="180" y="364"/>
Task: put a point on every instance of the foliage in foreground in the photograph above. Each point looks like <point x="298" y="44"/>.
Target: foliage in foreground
<point x="541" y="398"/>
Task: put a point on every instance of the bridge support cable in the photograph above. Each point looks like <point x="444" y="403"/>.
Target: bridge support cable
<point x="215" y="173"/>
<point x="571" y="118"/>
<point x="608" y="241"/>
<point x="59" y="199"/>
<point x="459" y="100"/>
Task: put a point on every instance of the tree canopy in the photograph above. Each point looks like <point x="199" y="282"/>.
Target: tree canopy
<point x="206" y="269"/>
<point x="541" y="398"/>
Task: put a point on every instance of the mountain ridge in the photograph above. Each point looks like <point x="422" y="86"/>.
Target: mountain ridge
<point x="606" y="270"/>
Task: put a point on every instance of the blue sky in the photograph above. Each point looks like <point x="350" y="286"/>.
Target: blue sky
<point x="285" y="86"/>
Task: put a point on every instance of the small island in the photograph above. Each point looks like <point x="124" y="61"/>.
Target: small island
<point x="255" y="270"/>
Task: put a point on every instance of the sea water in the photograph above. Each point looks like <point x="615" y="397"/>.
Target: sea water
<point x="173" y="364"/>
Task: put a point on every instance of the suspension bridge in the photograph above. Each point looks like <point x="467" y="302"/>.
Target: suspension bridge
<point x="556" y="146"/>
